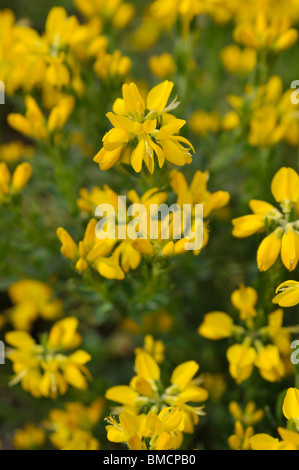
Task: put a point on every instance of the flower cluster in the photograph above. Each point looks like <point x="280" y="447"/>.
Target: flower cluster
<point x="148" y="409"/>
<point x="143" y="130"/>
<point x="281" y="226"/>
<point x="44" y="369"/>
<point x="266" y="347"/>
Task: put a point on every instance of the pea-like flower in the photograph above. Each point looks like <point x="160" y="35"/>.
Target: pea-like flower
<point x="146" y="391"/>
<point x="145" y="129"/>
<point x="44" y="369"/>
<point x="290" y="435"/>
<point x="281" y="226"/>
<point x="287" y="294"/>
<point x="71" y="428"/>
<point x="12" y="184"/>
<point x="265" y="347"/>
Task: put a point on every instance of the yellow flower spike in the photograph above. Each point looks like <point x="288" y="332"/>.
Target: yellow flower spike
<point x="287" y="294"/>
<point x="285" y="185"/>
<point x="216" y="325"/>
<point x="184" y="373"/>
<point x="290" y="405"/>
<point x="21" y="176"/>
<point x="290" y="247"/>
<point x="269" y="250"/>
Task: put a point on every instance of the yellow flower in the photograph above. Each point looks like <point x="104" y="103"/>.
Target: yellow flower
<point x="262" y="33"/>
<point x="160" y="431"/>
<point x="241" y="439"/>
<point x="269" y="250"/>
<point x="43" y="369"/>
<point x="269" y="363"/>
<point x="91" y="251"/>
<point x="290" y="441"/>
<point x="271" y="115"/>
<point x="279" y="335"/>
<point x="263" y="442"/>
<point x="128" y="430"/>
<point x="290" y="405"/>
<point x="34" y="123"/>
<point x="241" y="359"/>
<point x="146" y="390"/>
<point x="117" y="11"/>
<point x="108" y="66"/>
<point x="71" y="427"/>
<point x="136" y="127"/>
<point x="90" y="200"/>
<point x="283" y="238"/>
<point x="147" y="432"/>
<point x="31" y="299"/>
<point x="249" y="417"/>
<point x="13" y="184"/>
<point x="31" y="437"/>
<point x="216" y="325"/>
<point x="272" y="358"/>
<point x="13" y="151"/>
<point x="237" y="61"/>
<point x="285" y="187"/>
<point x="162" y="66"/>
<point x="152" y="347"/>
<point x="244" y="299"/>
<point x="287" y="294"/>
<point x="202" y="122"/>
